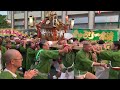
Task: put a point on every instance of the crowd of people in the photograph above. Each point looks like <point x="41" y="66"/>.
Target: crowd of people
<point x="35" y="58"/>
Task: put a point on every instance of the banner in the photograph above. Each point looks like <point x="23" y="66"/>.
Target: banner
<point x="106" y="35"/>
<point x="8" y="32"/>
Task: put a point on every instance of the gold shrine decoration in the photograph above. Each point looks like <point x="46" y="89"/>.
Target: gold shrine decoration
<point x="51" y="25"/>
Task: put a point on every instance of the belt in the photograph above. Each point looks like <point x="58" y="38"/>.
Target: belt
<point x="69" y="69"/>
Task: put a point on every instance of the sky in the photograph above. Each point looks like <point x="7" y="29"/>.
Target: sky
<point x="3" y="12"/>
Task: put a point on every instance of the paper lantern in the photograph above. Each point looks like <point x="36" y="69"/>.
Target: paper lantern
<point x="31" y="21"/>
<point x="72" y="24"/>
<point x="68" y="35"/>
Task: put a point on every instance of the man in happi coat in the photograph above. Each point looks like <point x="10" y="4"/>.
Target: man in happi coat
<point x="45" y="57"/>
<point x="13" y="60"/>
<point x="113" y="56"/>
<point x="2" y="51"/>
<point x="85" y="60"/>
<point x="67" y="64"/>
<point x="31" y="53"/>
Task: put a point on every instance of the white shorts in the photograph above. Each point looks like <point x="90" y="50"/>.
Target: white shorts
<point x="67" y="75"/>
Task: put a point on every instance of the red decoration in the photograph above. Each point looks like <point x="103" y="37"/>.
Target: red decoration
<point x="65" y="28"/>
<point x="38" y="31"/>
<point x="99" y="12"/>
<point x="51" y="28"/>
<point x="54" y="34"/>
<point x="66" y="18"/>
<point x="65" y="45"/>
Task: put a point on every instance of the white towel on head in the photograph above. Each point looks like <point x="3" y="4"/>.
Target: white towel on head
<point x="50" y="43"/>
<point x="16" y="38"/>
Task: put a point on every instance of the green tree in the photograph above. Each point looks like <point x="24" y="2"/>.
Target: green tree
<point x="3" y="22"/>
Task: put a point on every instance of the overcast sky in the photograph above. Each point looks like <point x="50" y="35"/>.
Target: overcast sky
<point x="3" y="12"/>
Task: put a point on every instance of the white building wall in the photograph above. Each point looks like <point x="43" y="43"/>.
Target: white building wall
<point x="35" y="13"/>
<point x="81" y="18"/>
<point x="19" y="16"/>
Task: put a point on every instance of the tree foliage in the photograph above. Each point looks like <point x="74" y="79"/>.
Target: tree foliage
<point x="3" y="22"/>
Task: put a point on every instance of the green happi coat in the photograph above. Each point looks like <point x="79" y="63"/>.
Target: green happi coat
<point x="3" y="43"/>
<point x="114" y="57"/>
<point x="3" y="49"/>
<point x="23" y="51"/>
<point x="83" y="62"/>
<point x="68" y="59"/>
<point x="13" y="46"/>
<point x="8" y="75"/>
<point x="30" y="57"/>
<point x="45" y="62"/>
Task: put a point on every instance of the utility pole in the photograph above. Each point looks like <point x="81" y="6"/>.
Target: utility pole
<point x="91" y="19"/>
<point x="12" y="19"/>
<point x="119" y="19"/>
<point x="26" y="19"/>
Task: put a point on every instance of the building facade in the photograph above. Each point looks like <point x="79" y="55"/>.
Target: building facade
<point x="82" y="19"/>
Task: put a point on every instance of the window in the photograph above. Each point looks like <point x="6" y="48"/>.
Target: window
<point x="17" y="12"/>
<point x="99" y="19"/>
<point x="22" y="11"/>
<point x="9" y="12"/>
